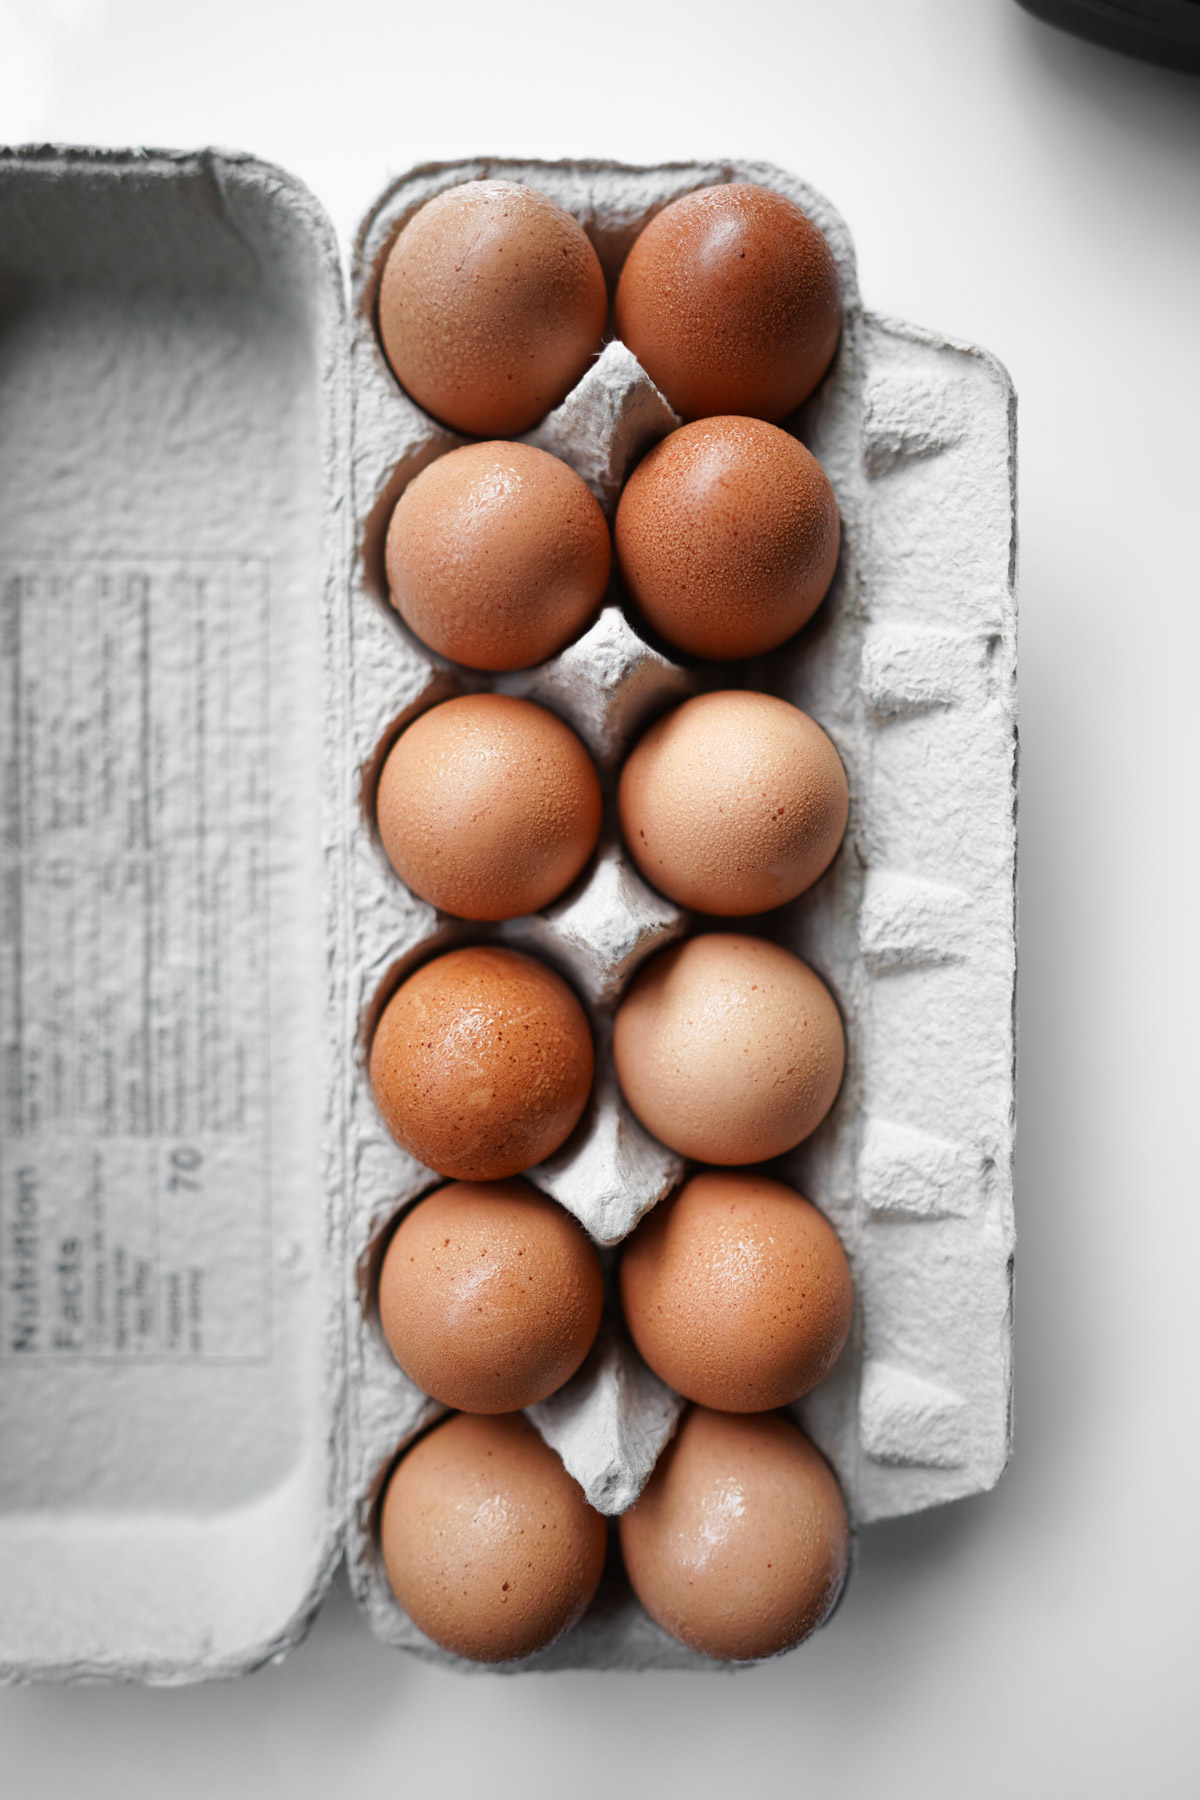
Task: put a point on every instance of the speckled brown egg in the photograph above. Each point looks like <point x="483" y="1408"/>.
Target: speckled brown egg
<point x="491" y="306"/>
<point x="733" y="803"/>
<point x="730" y="300"/>
<point x="497" y="555"/>
<point x="490" y="1295"/>
<point x="737" y="1292"/>
<point x="740" y="1543"/>
<point x="727" y="536"/>
<point x="488" y="1543"/>
<point x="488" y="806"/>
<point x="481" y="1063"/>
<point x="729" y="1048"/>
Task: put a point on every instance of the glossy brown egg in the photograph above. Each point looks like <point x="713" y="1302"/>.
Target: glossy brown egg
<point x="488" y="806"/>
<point x="727" y="536"/>
<point x="737" y="1292"/>
<point x="733" y="803"/>
<point x="730" y="300"/>
<point x="729" y="1048"/>
<point x="488" y="1543"/>
<point x="490" y="1295"/>
<point x="491" y="306"/>
<point x="481" y="1063"/>
<point x="739" y="1545"/>
<point x="497" y="555"/>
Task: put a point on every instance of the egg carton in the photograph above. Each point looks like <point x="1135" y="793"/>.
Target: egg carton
<point x="910" y="668"/>
<point x="198" y="926"/>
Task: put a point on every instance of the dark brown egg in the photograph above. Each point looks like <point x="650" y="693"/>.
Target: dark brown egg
<point x="730" y="301"/>
<point x="488" y="806"/>
<point x="737" y="1292"/>
<point x="481" y="1063"/>
<point x="739" y="1545"/>
<point x="488" y="1543"/>
<point x="497" y="555"/>
<point x="733" y="803"/>
<point x="490" y="1296"/>
<point x="727" y="536"/>
<point x="491" y="306"/>
<point x="729" y="1048"/>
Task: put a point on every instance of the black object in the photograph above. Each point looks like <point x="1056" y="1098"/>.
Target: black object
<point x="1160" y="31"/>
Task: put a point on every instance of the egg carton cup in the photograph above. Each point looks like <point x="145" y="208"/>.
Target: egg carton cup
<point x="201" y="676"/>
<point x="910" y="668"/>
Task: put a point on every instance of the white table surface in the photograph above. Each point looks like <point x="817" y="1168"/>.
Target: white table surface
<point x="1041" y="197"/>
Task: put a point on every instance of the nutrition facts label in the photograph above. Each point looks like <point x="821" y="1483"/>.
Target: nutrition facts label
<point x="134" y="859"/>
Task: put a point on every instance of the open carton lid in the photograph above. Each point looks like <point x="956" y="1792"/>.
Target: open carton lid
<point x="172" y="515"/>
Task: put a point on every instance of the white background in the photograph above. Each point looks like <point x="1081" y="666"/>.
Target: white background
<point x="1041" y="197"/>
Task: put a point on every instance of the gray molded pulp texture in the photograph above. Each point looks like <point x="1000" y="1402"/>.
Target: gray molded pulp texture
<point x="910" y="666"/>
<point x="173" y="457"/>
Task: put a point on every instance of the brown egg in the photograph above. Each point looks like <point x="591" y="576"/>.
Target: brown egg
<point x="733" y="803"/>
<point x="730" y="301"/>
<point x="739" y="1545"/>
<point x="490" y="1296"/>
<point x="737" y="1292"/>
<point x="488" y="1543"/>
<point x="488" y="807"/>
<point x="492" y="305"/>
<point x="729" y="1049"/>
<point x="482" y="1063"/>
<point x="497" y="555"/>
<point x="727" y="535"/>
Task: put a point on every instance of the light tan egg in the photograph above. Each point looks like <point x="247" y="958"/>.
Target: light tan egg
<point x="729" y="1048"/>
<point x="490" y="1295"/>
<point x="481" y="1063"/>
<point x="497" y="555"/>
<point x="491" y="306"/>
<point x="740" y="1543"/>
<point x="733" y="803"/>
<point x="737" y="1292"/>
<point x="488" y="1543"/>
<point x="488" y="806"/>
